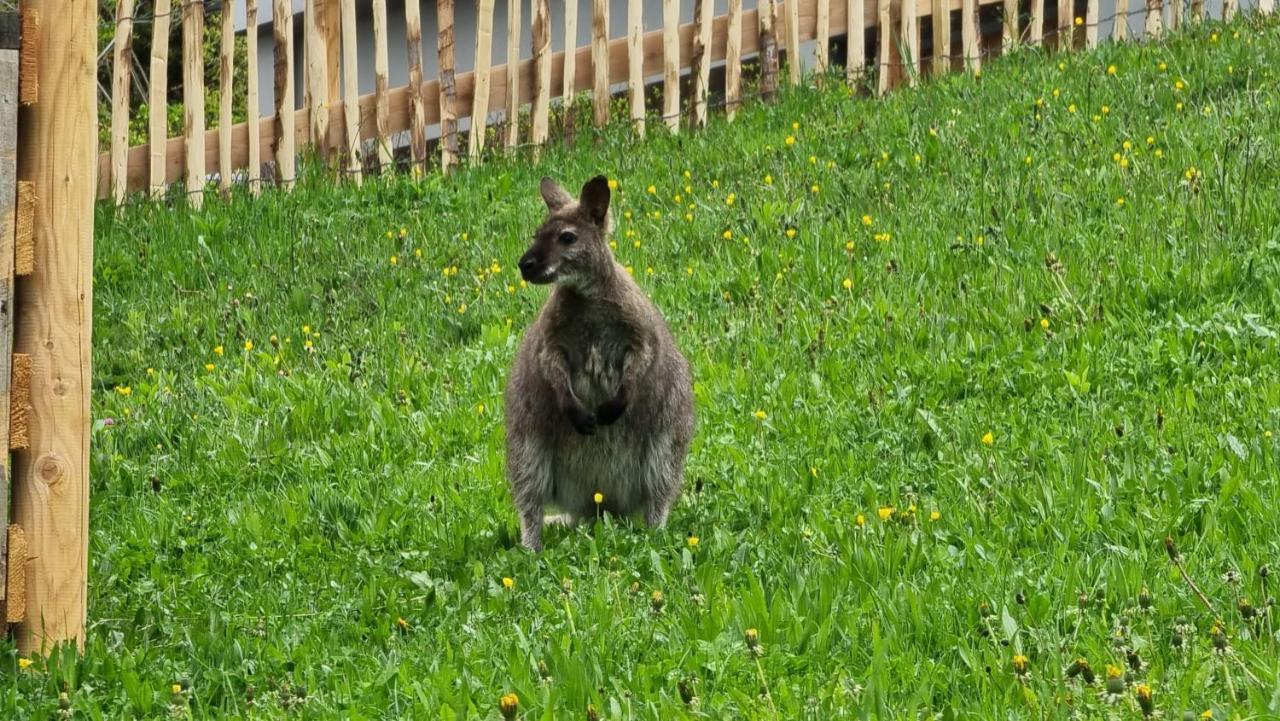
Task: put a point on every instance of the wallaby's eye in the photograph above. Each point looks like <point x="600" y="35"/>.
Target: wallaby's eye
<point x="568" y="237"/>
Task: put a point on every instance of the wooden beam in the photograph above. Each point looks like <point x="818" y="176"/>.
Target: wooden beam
<point x="317" y="76"/>
<point x="1035" y="34"/>
<point x="121" y="56"/>
<point x="700" y="61"/>
<point x="56" y="146"/>
<point x="1012" y="35"/>
<point x="541" y="39"/>
<point x="635" y="63"/>
<point x="1064" y="35"/>
<point x="9" y="42"/>
<point x="285" y="151"/>
<point x="969" y="34"/>
<point x="226" y="75"/>
<point x="1091" y="24"/>
<point x="570" y="64"/>
<point x="600" y="61"/>
<point x="768" y="39"/>
<point x="331" y="26"/>
<point x="911" y="40"/>
<point x="1228" y="10"/>
<point x="193" y="98"/>
<point x="382" y="107"/>
<point x="448" y="98"/>
<point x="16" y="558"/>
<point x="351" y="90"/>
<point x="941" y="38"/>
<point x="1155" y="17"/>
<point x="511" y="134"/>
<point x="792" y="8"/>
<point x="417" y="115"/>
<point x="856" y="55"/>
<point x="157" y="122"/>
<point x="253" y="111"/>
<point x="1120" y="24"/>
<point x="885" y="26"/>
<point x="823" y="39"/>
<point x="1176" y="10"/>
<point x="733" y="61"/>
<point x="671" y="64"/>
<point x="484" y="58"/>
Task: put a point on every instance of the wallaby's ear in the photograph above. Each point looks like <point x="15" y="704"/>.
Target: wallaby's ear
<point x="595" y="199"/>
<point x="554" y="195"/>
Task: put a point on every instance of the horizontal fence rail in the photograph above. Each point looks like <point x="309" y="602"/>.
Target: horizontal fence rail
<point x="884" y="44"/>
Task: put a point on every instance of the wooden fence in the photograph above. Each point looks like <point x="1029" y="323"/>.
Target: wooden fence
<point x="885" y="42"/>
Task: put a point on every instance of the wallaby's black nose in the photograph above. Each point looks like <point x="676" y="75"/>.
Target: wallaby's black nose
<point x="527" y="264"/>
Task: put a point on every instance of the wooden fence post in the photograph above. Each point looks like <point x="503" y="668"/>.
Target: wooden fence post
<point x="226" y="73"/>
<point x="317" y="77"/>
<point x="484" y="58"/>
<point x="448" y="85"/>
<point x="941" y="37"/>
<point x="193" y="97"/>
<point x="1035" y="34"/>
<point x="792" y="8"/>
<point x="635" y="63"/>
<point x="700" y="61"/>
<point x="9" y="44"/>
<point x="822" y="54"/>
<point x="569" y="91"/>
<point x="733" y="61"/>
<point x="885" y="16"/>
<point x="382" y="111"/>
<point x="351" y="92"/>
<point x="1064" y="24"/>
<point x="1196" y="11"/>
<point x="252" y="112"/>
<point x="57" y="151"/>
<point x="1091" y="24"/>
<point x="417" y="111"/>
<point x="285" y="150"/>
<point x="910" y="40"/>
<point x="600" y="60"/>
<point x="1120" y="23"/>
<point x="540" y="33"/>
<point x="671" y="64"/>
<point x="768" y="52"/>
<point x="1012" y="34"/>
<point x="158" y="123"/>
<point x="969" y="35"/>
<point x="331" y="26"/>
<point x="1228" y="10"/>
<point x="1176" y="9"/>
<point x="1155" y="18"/>
<point x="512" y="125"/>
<point x="856" y="57"/>
<point x="120" y="100"/>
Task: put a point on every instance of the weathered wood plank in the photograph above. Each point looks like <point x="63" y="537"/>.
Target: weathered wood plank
<point x="8" y="223"/>
<point x="1012" y="34"/>
<point x="635" y="63"/>
<point x="484" y="58"/>
<point x="1155" y="18"/>
<point x="541" y="38"/>
<point x="1064" y="30"/>
<point x="157" y="123"/>
<point x="941" y="37"/>
<point x="1035" y="33"/>
<point x="856" y="57"/>
<point x="600" y="61"/>
<point x="570" y="66"/>
<point x="969" y="34"/>
<point x="285" y="146"/>
<point x="511" y="135"/>
<point x="121" y="57"/>
<point x="733" y="61"/>
<point x="768" y="50"/>
<point x="885" y="28"/>
<point x="351" y="93"/>
<point x="911" y="40"/>
<point x="822" y="53"/>
<point x="57" y="143"/>
<point x="448" y="98"/>
<point x="316" y="97"/>
<point x="254" y="112"/>
<point x="792" y="8"/>
<point x="417" y="113"/>
<point x="193" y="98"/>
<point x="700" y="62"/>
<point x="226" y="75"/>
<point x="382" y="114"/>
<point x="1091" y="24"/>
<point x="1120" y="24"/>
<point x="671" y="63"/>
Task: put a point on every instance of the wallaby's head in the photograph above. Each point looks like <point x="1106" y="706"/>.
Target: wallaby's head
<point x="570" y="247"/>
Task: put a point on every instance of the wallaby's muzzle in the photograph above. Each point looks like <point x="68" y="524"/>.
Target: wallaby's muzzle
<point x="534" y="270"/>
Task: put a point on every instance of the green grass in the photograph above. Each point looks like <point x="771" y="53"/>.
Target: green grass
<point x="260" y="527"/>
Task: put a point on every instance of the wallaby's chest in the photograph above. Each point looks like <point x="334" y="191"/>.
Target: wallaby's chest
<point x="596" y="345"/>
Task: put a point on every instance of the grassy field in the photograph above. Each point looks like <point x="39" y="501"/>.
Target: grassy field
<point x="964" y="358"/>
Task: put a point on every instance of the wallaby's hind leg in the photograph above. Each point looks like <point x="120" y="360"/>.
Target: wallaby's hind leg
<point x="667" y="469"/>
<point x="529" y="469"/>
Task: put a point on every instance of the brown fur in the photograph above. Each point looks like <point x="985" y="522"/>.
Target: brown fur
<point x="600" y="399"/>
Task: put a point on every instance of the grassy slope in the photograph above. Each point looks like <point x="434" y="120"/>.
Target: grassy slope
<point x="256" y="529"/>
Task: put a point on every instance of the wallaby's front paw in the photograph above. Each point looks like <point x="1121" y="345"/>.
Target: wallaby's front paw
<point x="583" y="420"/>
<point x="611" y="410"/>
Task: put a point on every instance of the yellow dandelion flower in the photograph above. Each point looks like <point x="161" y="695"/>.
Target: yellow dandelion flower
<point x="688" y="269"/>
<point x="934" y="515"/>
<point x="1159" y="152"/>
<point x="462" y="308"/>
<point x="813" y="160"/>
<point x="1079" y="22"/>
<point x="479" y="409"/>
<point x="692" y="541"/>
<point x="511" y="288"/>
<point x="988" y="439"/>
<point x="791" y="140"/>
<point x="768" y="180"/>
<point x="1044" y="324"/>
<point x="760" y="415"/>
<point x="630" y="270"/>
<point x="217" y="350"/>
<point x="1178" y="84"/>
<point x="730" y="198"/>
<point x="394" y="260"/>
<point x="866" y="220"/>
<point x="861" y="520"/>
<point x="598" y="498"/>
<point x="651" y="190"/>
<point x="885" y="513"/>
<point x="1020" y="664"/>
<point x="1111" y="70"/>
<point x="248" y="345"/>
<point x="508" y="582"/>
<point x="390" y="234"/>
<point x="814" y="188"/>
<point x="24" y="663"/>
<point x="209" y="366"/>
<point x="1119" y="201"/>
<point x="613" y="184"/>
<point x="1124" y="163"/>
<point x="151" y="371"/>
<point x="848" y="245"/>
<point x="727" y="235"/>
<point x="791" y="233"/>
<point x="507" y="706"/>
<point x="848" y="284"/>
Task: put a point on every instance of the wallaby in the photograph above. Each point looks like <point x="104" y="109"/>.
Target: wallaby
<point x="600" y="399"/>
